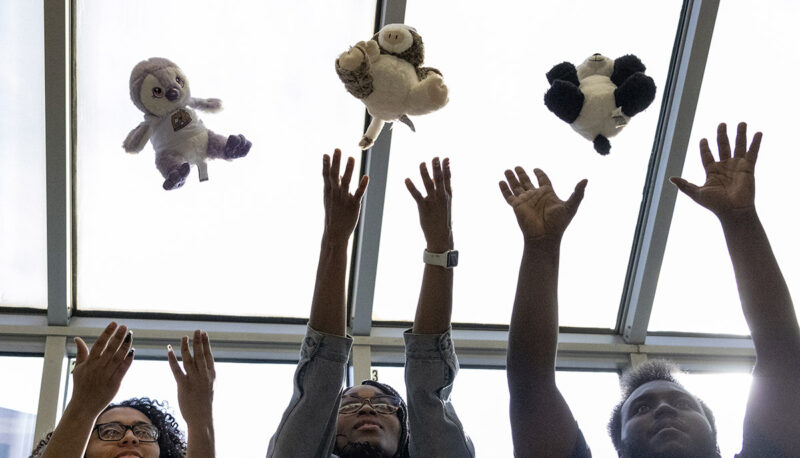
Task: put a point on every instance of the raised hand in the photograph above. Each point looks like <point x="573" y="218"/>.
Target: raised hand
<point x="196" y="379"/>
<point x="98" y="372"/>
<point x="341" y="207"/>
<point x="541" y="215"/>
<point x="434" y="208"/>
<point x="730" y="184"/>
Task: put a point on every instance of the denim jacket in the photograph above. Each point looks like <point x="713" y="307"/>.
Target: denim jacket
<point x="308" y="426"/>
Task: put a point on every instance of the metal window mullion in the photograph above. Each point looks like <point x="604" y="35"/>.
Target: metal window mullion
<point x="672" y="140"/>
<point x="57" y="150"/>
<point x="55" y="354"/>
<point x="368" y="235"/>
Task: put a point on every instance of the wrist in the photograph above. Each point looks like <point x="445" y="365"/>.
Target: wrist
<point x="440" y="244"/>
<point x="738" y="217"/>
<point x="334" y="241"/>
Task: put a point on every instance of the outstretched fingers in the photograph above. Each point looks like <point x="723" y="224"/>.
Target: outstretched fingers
<point x="102" y="340"/>
<point x="542" y="177"/>
<point x="513" y="183"/>
<point x="740" y="148"/>
<point x="705" y="154"/>
<point x="426" y="178"/>
<point x="752" y="153"/>
<point x="524" y="179"/>
<point x="362" y="188"/>
<point x="199" y="351"/>
<point x="348" y="173"/>
<point x="326" y="172"/>
<point x="415" y="194"/>
<point x="334" y="170"/>
<point x="685" y="187"/>
<point x="207" y="352"/>
<point x="447" y="175"/>
<point x="722" y="142"/>
<point x="173" y="364"/>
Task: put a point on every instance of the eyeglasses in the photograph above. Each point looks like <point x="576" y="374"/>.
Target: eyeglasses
<point x="115" y="431"/>
<point x="383" y="404"/>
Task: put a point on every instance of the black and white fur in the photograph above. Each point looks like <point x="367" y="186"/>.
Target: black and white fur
<point x="599" y="97"/>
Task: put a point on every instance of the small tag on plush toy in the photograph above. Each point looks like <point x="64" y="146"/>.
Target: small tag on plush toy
<point x="619" y="118"/>
<point x="180" y="119"/>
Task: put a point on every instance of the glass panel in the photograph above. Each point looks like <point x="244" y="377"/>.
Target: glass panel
<point x="23" y="237"/>
<point x="696" y="290"/>
<point x="496" y="119"/>
<point x="249" y="400"/>
<point x="487" y="393"/>
<point x="19" y="402"/>
<point x="726" y="395"/>
<point x="246" y="241"/>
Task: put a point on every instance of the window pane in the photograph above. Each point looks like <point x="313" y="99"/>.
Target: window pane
<point x="246" y="241"/>
<point x="19" y="401"/>
<point x="23" y="240"/>
<point x="496" y="119"/>
<point x="726" y="395"/>
<point x="249" y="400"/>
<point x="480" y="397"/>
<point x="696" y="290"/>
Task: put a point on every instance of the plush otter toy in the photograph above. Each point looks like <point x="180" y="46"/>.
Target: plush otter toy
<point x="386" y="74"/>
<point x="600" y="96"/>
<point x="161" y="90"/>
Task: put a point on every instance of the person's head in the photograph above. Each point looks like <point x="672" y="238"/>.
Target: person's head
<point x="372" y="422"/>
<point x="139" y="420"/>
<point x="658" y="417"/>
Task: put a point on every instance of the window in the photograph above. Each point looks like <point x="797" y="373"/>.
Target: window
<point x="481" y="394"/>
<point x="696" y="290"/>
<point x="23" y="241"/>
<point x="18" y="404"/>
<point x="249" y="400"/>
<point x="496" y="119"/>
<point x="246" y="241"/>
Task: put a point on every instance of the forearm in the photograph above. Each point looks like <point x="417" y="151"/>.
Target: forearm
<point x="328" y="307"/>
<point x="435" y="301"/>
<point x="72" y="433"/>
<point x="200" y="438"/>
<point x="765" y="298"/>
<point x="533" y="334"/>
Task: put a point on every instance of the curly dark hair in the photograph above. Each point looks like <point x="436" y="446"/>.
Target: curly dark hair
<point x="171" y="441"/>
<point x="649" y="371"/>
<point x="364" y="449"/>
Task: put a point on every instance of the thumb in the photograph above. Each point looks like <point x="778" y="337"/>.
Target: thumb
<point x="685" y="187"/>
<point x="575" y="199"/>
<point x="83" y="351"/>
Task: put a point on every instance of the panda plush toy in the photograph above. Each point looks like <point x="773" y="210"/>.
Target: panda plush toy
<point x="161" y="90"/>
<point x="599" y="97"/>
<point x="386" y="74"/>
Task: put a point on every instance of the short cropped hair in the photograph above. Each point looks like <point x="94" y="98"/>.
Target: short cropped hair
<point x="649" y="371"/>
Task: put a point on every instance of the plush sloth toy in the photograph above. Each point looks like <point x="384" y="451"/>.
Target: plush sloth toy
<point x="386" y="74"/>
<point x="599" y="97"/>
<point x="161" y="90"/>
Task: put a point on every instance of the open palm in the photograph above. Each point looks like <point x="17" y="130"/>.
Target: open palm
<point x="540" y="213"/>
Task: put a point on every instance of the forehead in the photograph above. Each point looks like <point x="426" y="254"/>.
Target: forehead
<point x="163" y="76"/>
<point x="656" y="388"/>
<point x="363" y="391"/>
<point x="125" y="415"/>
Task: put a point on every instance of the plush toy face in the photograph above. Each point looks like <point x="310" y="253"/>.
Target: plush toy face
<point x="395" y="38"/>
<point x="596" y="64"/>
<point x="164" y="91"/>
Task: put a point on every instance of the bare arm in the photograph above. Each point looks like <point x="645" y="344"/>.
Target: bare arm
<point x="436" y="293"/>
<point x="541" y="422"/>
<point x="328" y="308"/>
<point x="97" y="377"/>
<point x="773" y="409"/>
<point x="196" y="394"/>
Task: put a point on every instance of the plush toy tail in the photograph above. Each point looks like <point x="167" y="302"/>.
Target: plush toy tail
<point x="602" y="145"/>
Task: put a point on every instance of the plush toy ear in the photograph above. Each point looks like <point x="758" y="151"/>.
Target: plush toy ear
<point x="564" y="71"/>
<point x="624" y="67"/>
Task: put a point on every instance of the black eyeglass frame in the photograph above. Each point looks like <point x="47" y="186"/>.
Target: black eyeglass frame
<point x="127" y="427"/>
<point x="394" y="405"/>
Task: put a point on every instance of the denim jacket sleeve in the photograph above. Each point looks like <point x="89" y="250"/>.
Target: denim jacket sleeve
<point x="308" y="426"/>
<point x="434" y="427"/>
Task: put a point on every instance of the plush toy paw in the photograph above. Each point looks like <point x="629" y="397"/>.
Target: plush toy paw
<point x="372" y="48"/>
<point x="352" y="59"/>
<point x="177" y="177"/>
<point x="237" y="146"/>
<point x="366" y="142"/>
<point x="437" y="90"/>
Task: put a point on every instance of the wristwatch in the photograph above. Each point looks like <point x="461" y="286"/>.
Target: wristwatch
<point x="448" y="259"/>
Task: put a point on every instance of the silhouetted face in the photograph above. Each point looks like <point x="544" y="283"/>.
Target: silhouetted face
<point x="367" y="424"/>
<point x="661" y="419"/>
<point x="130" y="443"/>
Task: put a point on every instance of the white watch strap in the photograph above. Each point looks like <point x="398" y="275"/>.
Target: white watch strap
<point x="440" y="259"/>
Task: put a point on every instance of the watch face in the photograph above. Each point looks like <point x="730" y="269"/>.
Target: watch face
<point x="452" y="258"/>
